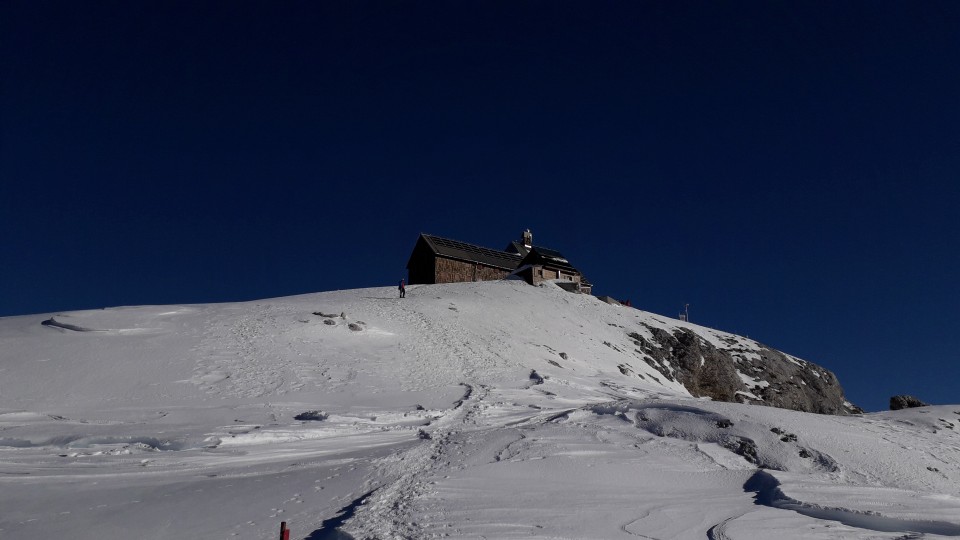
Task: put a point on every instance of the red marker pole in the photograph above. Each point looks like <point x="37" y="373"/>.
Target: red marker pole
<point x="284" y="531"/>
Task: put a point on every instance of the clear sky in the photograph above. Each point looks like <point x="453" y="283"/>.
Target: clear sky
<point x="789" y="169"/>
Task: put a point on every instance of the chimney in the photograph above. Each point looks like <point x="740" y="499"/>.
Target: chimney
<point x="527" y="238"/>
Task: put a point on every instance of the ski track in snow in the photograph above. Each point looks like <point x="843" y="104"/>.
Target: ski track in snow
<point x="449" y="413"/>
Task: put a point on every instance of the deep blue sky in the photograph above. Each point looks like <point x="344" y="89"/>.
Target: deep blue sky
<point x="790" y="169"/>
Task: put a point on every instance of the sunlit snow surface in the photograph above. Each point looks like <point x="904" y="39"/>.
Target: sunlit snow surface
<point x="178" y="422"/>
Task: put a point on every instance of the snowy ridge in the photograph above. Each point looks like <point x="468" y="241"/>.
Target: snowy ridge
<point x="470" y="410"/>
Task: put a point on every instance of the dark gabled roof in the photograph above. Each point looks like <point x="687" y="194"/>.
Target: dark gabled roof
<point x="463" y="251"/>
<point x="517" y="247"/>
<point x="544" y="256"/>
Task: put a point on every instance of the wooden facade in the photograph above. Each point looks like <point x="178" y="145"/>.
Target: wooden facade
<point x="441" y="260"/>
<point x="453" y="271"/>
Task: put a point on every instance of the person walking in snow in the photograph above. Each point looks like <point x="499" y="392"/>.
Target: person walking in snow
<point x="403" y="289"/>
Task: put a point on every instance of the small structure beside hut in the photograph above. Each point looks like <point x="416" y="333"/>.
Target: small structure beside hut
<point x="542" y="264"/>
<point x="442" y="260"/>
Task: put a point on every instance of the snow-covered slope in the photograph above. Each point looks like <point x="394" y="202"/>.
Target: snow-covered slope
<point x="493" y="410"/>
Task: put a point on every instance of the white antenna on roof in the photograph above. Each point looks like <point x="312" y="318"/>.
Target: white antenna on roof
<point x="685" y="316"/>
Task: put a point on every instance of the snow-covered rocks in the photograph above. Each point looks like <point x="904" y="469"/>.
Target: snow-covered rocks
<point x="732" y="368"/>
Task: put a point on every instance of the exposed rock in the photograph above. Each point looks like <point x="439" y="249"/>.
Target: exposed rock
<point x="329" y="322"/>
<point x="905" y="402"/>
<point x="723" y="373"/>
<point x="743" y="447"/>
<point x="355" y="327"/>
<point x="311" y="415"/>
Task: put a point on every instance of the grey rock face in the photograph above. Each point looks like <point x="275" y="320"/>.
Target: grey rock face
<point x="905" y="402"/>
<point x="742" y="371"/>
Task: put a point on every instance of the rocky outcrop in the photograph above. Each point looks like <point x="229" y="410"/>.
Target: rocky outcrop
<point x="905" y="402"/>
<point x="741" y="371"/>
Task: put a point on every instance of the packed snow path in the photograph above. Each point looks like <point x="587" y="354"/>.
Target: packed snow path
<point x="476" y="410"/>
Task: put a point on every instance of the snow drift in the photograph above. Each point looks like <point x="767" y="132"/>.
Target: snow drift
<point x="471" y="410"/>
